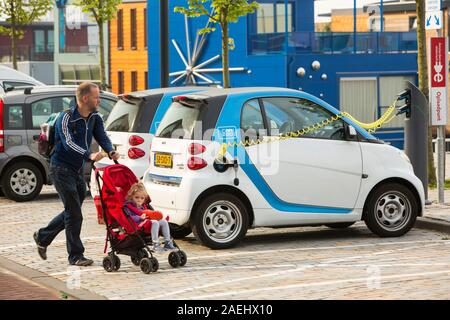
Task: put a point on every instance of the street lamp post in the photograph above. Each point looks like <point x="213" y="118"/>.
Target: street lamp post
<point x="164" y="43"/>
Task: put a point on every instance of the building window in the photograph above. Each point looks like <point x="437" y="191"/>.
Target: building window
<point x="271" y="18"/>
<point x="145" y="28"/>
<point x="134" y="80"/>
<point x="146" y="79"/>
<point x="75" y="74"/>
<point x="133" y="28"/>
<point x="120" y="29"/>
<point x="120" y="81"/>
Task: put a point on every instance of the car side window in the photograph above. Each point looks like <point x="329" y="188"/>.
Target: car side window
<point x="286" y="114"/>
<point x="252" y="121"/>
<point x="105" y="107"/>
<point x="41" y="110"/>
<point x="15" y="117"/>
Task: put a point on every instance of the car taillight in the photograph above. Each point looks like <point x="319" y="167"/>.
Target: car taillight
<point x="135" y="153"/>
<point x="196" y="163"/>
<point x="135" y="140"/>
<point x="196" y="148"/>
<point x="2" y="133"/>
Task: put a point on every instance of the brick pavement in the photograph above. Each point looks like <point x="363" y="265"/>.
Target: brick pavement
<point x="289" y="263"/>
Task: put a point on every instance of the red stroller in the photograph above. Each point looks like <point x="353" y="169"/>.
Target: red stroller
<point x="124" y="235"/>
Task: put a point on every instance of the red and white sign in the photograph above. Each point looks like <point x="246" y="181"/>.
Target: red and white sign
<point x="438" y="80"/>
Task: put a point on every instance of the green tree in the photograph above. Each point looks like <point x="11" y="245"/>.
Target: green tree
<point x="20" y="13"/>
<point x="101" y="11"/>
<point x="223" y="12"/>
<point x="423" y="79"/>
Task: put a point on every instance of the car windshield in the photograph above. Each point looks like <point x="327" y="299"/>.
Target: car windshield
<point x="122" y="116"/>
<point x="178" y="122"/>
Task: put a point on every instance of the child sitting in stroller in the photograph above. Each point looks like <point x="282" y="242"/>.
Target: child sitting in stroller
<point x="135" y="207"/>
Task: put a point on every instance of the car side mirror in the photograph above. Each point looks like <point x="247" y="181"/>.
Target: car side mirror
<point x="351" y="132"/>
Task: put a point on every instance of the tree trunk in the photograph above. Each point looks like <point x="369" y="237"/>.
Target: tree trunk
<point x="225" y="55"/>
<point x="14" y="46"/>
<point x="103" y="84"/>
<point x="13" y="36"/>
<point x="423" y="79"/>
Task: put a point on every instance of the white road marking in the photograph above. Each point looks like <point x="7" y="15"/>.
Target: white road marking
<point x="320" y="283"/>
<point x="231" y="254"/>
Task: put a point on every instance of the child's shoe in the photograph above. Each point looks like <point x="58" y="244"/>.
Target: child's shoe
<point x="157" y="247"/>
<point x="168" y="245"/>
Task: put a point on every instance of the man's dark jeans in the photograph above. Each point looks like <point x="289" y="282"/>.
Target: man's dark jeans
<point x="71" y="189"/>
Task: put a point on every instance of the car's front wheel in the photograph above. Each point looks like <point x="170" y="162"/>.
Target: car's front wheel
<point x="391" y="210"/>
<point x="22" y="181"/>
<point x="220" y="221"/>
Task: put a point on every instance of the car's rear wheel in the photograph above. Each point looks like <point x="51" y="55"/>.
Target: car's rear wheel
<point x="22" y="181"/>
<point x="220" y="221"/>
<point x="391" y="210"/>
<point x="179" y="232"/>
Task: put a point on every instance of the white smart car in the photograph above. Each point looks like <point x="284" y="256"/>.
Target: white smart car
<point x="335" y="174"/>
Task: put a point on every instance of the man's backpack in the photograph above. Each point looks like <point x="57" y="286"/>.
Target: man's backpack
<point x="46" y="141"/>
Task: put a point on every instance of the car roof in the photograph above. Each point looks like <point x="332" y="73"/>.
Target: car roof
<point x="217" y="92"/>
<point x="9" y="74"/>
<point x="18" y="95"/>
<point x="168" y="90"/>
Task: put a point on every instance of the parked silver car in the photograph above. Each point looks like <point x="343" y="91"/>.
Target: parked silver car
<point x="22" y="170"/>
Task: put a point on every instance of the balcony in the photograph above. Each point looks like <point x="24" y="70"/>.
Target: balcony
<point x="27" y="53"/>
<point x="333" y="43"/>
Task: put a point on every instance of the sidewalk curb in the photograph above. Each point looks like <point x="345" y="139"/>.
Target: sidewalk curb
<point x="433" y="224"/>
<point x="48" y="281"/>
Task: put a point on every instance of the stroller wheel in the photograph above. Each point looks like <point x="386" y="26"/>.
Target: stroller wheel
<point x="108" y="263"/>
<point x="183" y="258"/>
<point x="174" y="259"/>
<point x="136" y="259"/>
<point x="155" y="264"/>
<point x="146" y="265"/>
<point x="116" y="262"/>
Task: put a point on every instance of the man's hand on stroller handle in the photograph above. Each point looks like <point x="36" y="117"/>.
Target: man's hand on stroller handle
<point x="114" y="155"/>
<point x="96" y="156"/>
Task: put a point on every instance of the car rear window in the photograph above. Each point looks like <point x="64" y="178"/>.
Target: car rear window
<point x="179" y="121"/>
<point x="132" y="114"/>
<point x="186" y="119"/>
<point x="122" y="116"/>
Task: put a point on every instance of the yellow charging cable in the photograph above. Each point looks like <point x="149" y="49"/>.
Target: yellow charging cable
<point x="370" y="127"/>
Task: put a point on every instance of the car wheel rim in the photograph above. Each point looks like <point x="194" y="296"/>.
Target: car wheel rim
<point x="393" y="211"/>
<point x="222" y="221"/>
<point x="23" y="181"/>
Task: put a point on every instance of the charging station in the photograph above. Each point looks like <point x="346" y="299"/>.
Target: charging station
<point x="416" y="130"/>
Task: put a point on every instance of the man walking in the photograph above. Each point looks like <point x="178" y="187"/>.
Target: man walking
<point x="73" y="136"/>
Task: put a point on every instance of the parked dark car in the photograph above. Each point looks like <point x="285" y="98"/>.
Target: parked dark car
<point x="23" y="171"/>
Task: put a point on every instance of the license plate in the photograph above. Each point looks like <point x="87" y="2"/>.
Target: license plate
<point x="163" y="160"/>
